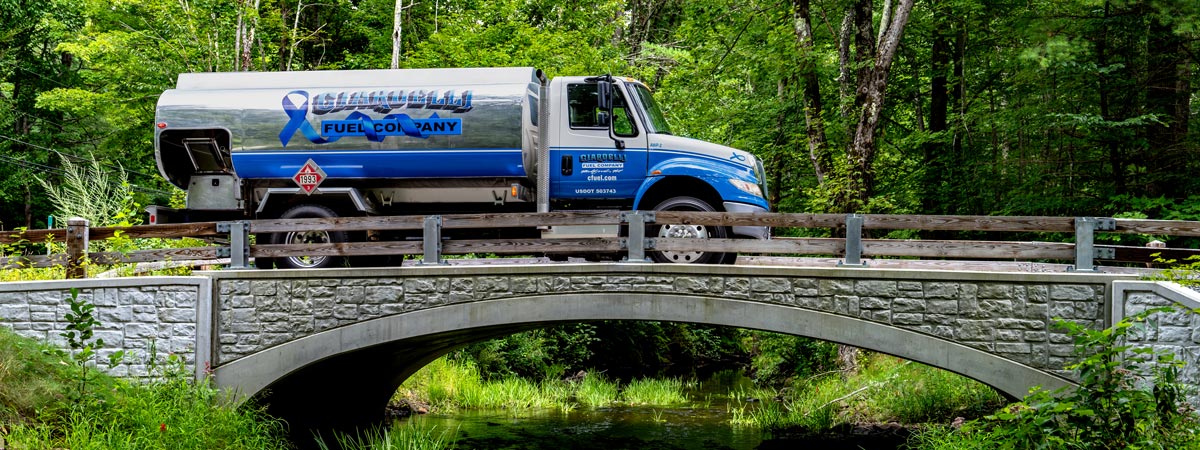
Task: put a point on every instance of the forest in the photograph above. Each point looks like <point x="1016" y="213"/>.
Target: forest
<point x="980" y="107"/>
<point x="997" y="107"/>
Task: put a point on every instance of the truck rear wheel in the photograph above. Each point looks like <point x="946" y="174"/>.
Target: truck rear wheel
<point x="685" y="203"/>
<point x="308" y="237"/>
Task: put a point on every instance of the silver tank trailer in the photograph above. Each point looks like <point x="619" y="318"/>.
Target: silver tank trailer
<point x="370" y="124"/>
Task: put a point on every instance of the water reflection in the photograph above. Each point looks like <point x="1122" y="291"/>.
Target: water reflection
<point x="702" y="425"/>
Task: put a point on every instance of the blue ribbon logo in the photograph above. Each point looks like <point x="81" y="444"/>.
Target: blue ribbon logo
<point x="359" y="124"/>
<point x="298" y="120"/>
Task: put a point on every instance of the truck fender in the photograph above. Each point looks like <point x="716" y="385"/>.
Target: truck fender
<point x="714" y="174"/>
<point x="361" y="203"/>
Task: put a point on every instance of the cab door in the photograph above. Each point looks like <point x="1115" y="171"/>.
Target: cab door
<point x="587" y="163"/>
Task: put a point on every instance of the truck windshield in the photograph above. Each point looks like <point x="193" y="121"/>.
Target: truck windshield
<point x="654" y="115"/>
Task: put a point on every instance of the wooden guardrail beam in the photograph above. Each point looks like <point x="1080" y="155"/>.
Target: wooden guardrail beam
<point x="163" y="254"/>
<point x="34" y="261"/>
<point x="78" y="235"/>
<point x="1159" y="227"/>
<point x="968" y="223"/>
<point x="164" y="231"/>
<point x="1124" y="253"/>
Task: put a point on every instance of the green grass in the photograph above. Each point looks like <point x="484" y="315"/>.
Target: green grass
<point x="448" y="385"/>
<point x="451" y="385"/>
<point x="654" y="392"/>
<point x="407" y="435"/>
<point x="40" y="408"/>
<point x="923" y="394"/>
<point x="31" y="382"/>
<point x="969" y="437"/>
<point x="886" y="389"/>
<point x="595" y="391"/>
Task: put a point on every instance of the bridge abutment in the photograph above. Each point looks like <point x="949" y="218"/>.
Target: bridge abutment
<point x="135" y="315"/>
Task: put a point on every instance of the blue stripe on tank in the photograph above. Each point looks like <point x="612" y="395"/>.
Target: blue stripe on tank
<point x="425" y="163"/>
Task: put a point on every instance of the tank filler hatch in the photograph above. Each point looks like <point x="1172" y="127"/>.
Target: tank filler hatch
<point x="206" y="155"/>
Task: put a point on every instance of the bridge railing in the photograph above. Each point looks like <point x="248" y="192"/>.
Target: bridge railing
<point x="233" y="239"/>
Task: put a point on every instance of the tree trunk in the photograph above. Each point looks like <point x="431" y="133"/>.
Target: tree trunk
<point x="818" y="147"/>
<point x="1168" y="95"/>
<point x="875" y="63"/>
<point x="397" y="33"/>
<point x="28" y="205"/>
<point x="244" y="38"/>
<point x="934" y="201"/>
<point x="248" y="44"/>
<point x="845" y="76"/>
<point x="1116" y="157"/>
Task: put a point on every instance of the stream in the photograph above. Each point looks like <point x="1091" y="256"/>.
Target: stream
<point x="702" y="425"/>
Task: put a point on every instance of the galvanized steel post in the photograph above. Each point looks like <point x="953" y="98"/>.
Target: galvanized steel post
<point x="854" y="223"/>
<point x="432" y="242"/>
<point x="239" y="245"/>
<point x="636" y="242"/>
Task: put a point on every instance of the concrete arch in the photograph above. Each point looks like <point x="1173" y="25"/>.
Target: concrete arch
<point x="391" y="348"/>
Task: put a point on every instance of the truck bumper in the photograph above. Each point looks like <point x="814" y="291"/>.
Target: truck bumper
<point x="748" y="232"/>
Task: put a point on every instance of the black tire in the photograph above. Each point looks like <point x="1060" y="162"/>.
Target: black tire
<point x="684" y="203"/>
<point x="310" y="237"/>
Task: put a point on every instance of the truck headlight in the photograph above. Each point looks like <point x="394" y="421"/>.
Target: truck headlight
<point x="748" y="187"/>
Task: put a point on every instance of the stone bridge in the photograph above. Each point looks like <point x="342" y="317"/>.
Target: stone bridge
<point x="340" y="341"/>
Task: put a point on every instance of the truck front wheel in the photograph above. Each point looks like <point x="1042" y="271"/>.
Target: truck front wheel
<point x="309" y="237"/>
<point x="687" y="231"/>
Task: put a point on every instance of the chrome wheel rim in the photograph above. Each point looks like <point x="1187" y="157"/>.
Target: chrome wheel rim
<point x="307" y="237"/>
<point x="682" y="232"/>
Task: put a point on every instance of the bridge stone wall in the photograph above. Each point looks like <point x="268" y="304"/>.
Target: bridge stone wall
<point x="1006" y="314"/>
<point x="133" y="313"/>
<point x="1176" y="332"/>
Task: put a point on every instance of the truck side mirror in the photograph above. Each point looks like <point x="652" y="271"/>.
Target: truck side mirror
<point x="604" y="101"/>
<point x="604" y="96"/>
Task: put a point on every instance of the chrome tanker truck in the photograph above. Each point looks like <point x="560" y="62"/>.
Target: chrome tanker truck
<point x="274" y="145"/>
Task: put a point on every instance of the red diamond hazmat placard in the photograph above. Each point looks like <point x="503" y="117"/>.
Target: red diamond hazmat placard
<point x="309" y="177"/>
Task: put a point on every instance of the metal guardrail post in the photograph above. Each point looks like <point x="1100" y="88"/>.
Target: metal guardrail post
<point x="239" y="245"/>
<point x="77" y="247"/>
<point x="636" y="242"/>
<point x="238" y="251"/>
<point x="432" y="242"/>
<point x="1085" y="230"/>
<point x="854" y="223"/>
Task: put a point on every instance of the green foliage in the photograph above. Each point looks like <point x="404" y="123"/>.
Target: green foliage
<point x="1129" y="397"/>
<point x="79" y="333"/>
<point x="1050" y="108"/>
<point x="533" y="354"/>
<point x="1186" y="273"/>
<point x="886" y="389"/>
<point x="562" y="38"/>
<point x="626" y="349"/>
<point x="779" y="357"/>
<point x="1113" y="407"/>
<point x="169" y="411"/>
<point x="91" y="192"/>
<point x="923" y="394"/>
